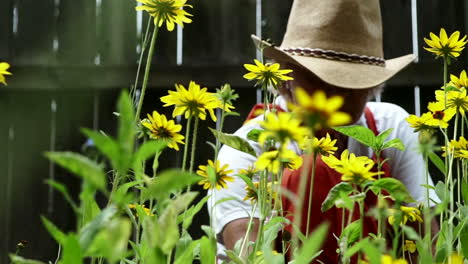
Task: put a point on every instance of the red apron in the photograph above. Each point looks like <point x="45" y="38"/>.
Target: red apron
<point x="325" y="179"/>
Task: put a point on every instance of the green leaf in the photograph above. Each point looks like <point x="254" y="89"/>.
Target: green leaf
<point x="438" y="162"/>
<point x="122" y="195"/>
<point x="168" y="181"/>
<point x="188" y="216"/>
<point x="254" y="134"/>
<point x="147" y="150"/>
<point x="464" y="240"/>
<point x="234" y="142"/>
<point x="394" y="143"/>
<point x="61" y="188"/>
<point x="351" y="233"/>
<point x="379" y="140"/>
<point x="233" y="257"/>
<point x="105" y="144"/>
<point x="464" y="191"/>
<point x="247" y="181"/>
<point x="187" y="254"/>
<point x="81" y="166"/>
<point x="359" y="133"/>
<point x="371" y="251"/>
<point x="182" y="202"/>
<point x="410" y="232"/>
<point x="395" y="188"/>
<point x="307" y="252"/>
<point x="169" y="230"/>
<point x="232" y="113"/>
<point x="207" y="250"/>
<point x="440" y="191"/>
<point x="126" y="131"/>
<point x="54" y="231"/>
<point x="72" y="252"/>
<point x="88" y="233"/>
<point x="118" y="231"/>
<point x="20" y="260"/>
<point x="334" y="194"/>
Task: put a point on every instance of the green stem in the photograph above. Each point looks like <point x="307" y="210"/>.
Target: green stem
<point x="147" y="70"/>
<point x="221" y="124"/>
<point x="194" y="144"/>
<point x="187" y="137"/>
<point x="361" y="219"/>
<point x="247" y="232"/>
<point x="140" y="60"/>
<point x="312" y="178"/>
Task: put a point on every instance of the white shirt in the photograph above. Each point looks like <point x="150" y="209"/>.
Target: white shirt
<point x="406" y="166"/>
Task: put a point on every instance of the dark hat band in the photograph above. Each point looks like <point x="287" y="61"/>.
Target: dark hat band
<point x="335" y="55"/>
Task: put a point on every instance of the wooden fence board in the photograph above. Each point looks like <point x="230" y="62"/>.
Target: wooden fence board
<point x="276" y="14"/>
<point x="397" y="32"/>
<point x="5" y="28"/>
<point x="33" y="42"/>
<point x="117" y="33"/>
<point x="77" y="32"/>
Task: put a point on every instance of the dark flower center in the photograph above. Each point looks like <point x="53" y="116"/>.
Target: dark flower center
<point x="438" y="115"/>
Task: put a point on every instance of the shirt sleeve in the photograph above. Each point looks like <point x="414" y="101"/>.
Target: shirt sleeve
<point x="408" y="166"/>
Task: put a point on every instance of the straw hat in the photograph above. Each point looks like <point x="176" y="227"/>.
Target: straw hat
<point x="340" y="41"/>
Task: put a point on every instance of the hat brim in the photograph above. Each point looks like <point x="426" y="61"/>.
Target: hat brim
<point x="340" y="73"/>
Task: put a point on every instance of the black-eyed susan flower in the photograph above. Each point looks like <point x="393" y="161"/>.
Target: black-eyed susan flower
<point x="268" y="74"/>
<point x="410" y="246"/>
<point x="282" y="127"/>
<point x="252" y="193"/>
<point x="161" y="128"/>
<point x="454" y="99"/>
<point x="459" y="82"/>
<point x="169" y="11"/>
<point x="444" y="46"/>
<point x="352" y="169"/>
<point x="318" y="111"/>
<point x="459" y="148"/>
<point x="215" y="175"/>
<point x="272" y="160"/>
<point x="250" y="171"/>
<point x="420" y="123"/>
<point x="4" y="71"/>
<point x="323" y="146"/>
<point x="192" y="102"/>
<point x="411" y="214"/>
<point x="440" y="116"/>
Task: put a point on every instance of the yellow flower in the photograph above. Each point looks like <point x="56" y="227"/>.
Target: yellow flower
<point x="4" y="71"/>
<point x="271" y="160"/>
<point x="146" y="210"/>
<point x="249" y="172"/>
<point x="387" y="259"/>
<point x="268" y="74"/>
<point x="459" y="148"/>
<point x="282" y="127"/>
<point x="160" y="128"/>
<point x="453" y="99"/>
<point x="455" y="259"/>
<point x="440" y="116"/>
<point x="218" y="179"/>
<point x="410" y="246"/>
<point x="318" y="110"/>
<point x="252" y="194"/>
<point x="443" y="46"/>
<point x="408" y="213"/>
<point x="459" y="82"/>
<point x="420" y="123"/>
<point x="323" y="146"/>
<point x="193" y="102"/>
<point x="352" y="168"/>
<point x="169" y="11"/>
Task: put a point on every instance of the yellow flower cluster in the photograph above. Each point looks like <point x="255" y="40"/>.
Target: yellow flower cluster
<point x="282" y="127"/>
<point x="448" y="103"/>
<point x="444" y="46"/>
<point x="408" y="213"/>
<point x="272" y="161"/>
<point x="323" y="146"/>
<point x="318" y="111"/>
<point x="193" y="102"/>
<point x="352" y="169"/>
<point x="268" y="74"/>
<point x="252" y="193"/>
<point x="215" y="175"/>
<point x="4" y="71"/>
<point x="160" y="128"/>
<point x="169" y="11"/>
<point x="458" y="148"/>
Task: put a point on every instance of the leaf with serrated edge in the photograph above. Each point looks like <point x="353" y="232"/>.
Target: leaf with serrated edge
<point x="334" y="194"/>
<point x="234" y="142"/>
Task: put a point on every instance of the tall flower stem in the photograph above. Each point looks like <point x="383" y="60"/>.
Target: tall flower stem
<point x="140" y="60"/>
<point x="220" y="128"/>
<point x="187" y="137"/>
<point x="194" y="144"/>
<point x="147" y="70"/>
<point x="311" y="188"/>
